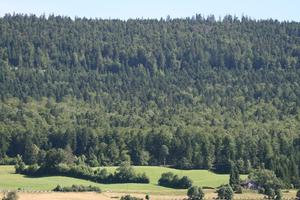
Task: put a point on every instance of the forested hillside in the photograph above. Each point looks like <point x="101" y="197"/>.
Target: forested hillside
<point x="190" y="93"/>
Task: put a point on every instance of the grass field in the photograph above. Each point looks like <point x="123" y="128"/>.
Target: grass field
<point x="10" y="180"/>
<point x="199" y="177"/>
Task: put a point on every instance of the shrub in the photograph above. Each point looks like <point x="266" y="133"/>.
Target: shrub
<point x="8" y="161"/>
<point x="298" y="195"/>
<point x="225" y="192"/>
<point x="20" y="165"/>
<point x="128" y="197"/>
<point x="147" y="197"/>
<point x="31" y="169"/>
<point x="278" y="194"/>
<point x="101" y="175"/>
<point x="270" y="193"/>
<point x="238" y="189"/>
<point x="261" y="190"/>
<point x="265" y="179"/>
<point x="62" y="168"/>
<point x="77" y="188"/>
<point x="126" y="174"/>
<point x="195" y="193"/>
<point x="58" y="188"/>
<point x="295" y="182"/>
<point x="11" y="196"/>
<point x="142" y="178"/>
<point x="168" y="179"/>
<point x="81" y="171"/>
<point x="185" y="182"/>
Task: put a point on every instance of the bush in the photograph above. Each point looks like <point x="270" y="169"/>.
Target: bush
<point x="77" y="188"/>
<point x="8" y="161"/>
<point x="225" y="192"/>
<point x="295" y="182"/>
<point x="270" y="192"/>
<point x="168" y="179"/>
<point x="261" y="190"/>
<point x="185" y="182"/>
<point x="298" y="195"/>
<point x="278" y="194"/>
<point x="62" y="168"/>
<point x="142" y="178"/>
<point x="101" y="174"/>
<point x="20" y="165"/>
<point x="147" y="197"/>
<point x="31" y="170"/>
<point x="58" y="188"/>
<point x="238" y="189"/>
<point x="126" y="174"/>
<point x="81" y="171"/>
<point x="128" y="197"/>
<point x="265" y="179"/>
<point x="195" y="193"/>
<point x="11" y="196"/>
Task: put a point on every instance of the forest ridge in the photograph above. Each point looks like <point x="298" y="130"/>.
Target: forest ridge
<point x="190" y="93"/>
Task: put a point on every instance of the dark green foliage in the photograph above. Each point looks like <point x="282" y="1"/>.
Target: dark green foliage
<point x="164" y="152"/>
<point x="77" y="188"/>
<point x="225" y="192"/>
<point x="124" y="174"/>
<point x="184" y="182"/>
<point x="270" y="192"/>
<point x="169" y="179"/>
<point x="128" y="197"/>
<point x="298" y="195"/>
<point x="147" y="197"/>
<point x="192" y="93"/>
<point x="278" y="194"/>
<point x="238" y="189"/>
<point x="31" y="170"/>
<point x="195" y="193"/>
<point x="20" y="165"/>
<point x="55" y="157"/>
<point x="11" y="196"/>
<point x="8" y="161"/>
<point x="234" y="177"/>
<point x="266" y="180"/>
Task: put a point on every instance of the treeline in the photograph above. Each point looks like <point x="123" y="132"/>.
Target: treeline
<point x="180" y="148"/>
<point x="187" y="93"/>
<point x="61" y="163"/>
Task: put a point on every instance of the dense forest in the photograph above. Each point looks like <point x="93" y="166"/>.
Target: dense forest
<point x="188" y="93"/>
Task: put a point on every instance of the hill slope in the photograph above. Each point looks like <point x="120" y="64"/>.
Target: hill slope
<point x="192" y="93"/>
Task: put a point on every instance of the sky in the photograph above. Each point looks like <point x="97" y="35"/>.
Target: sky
<point x="124" y="9"/>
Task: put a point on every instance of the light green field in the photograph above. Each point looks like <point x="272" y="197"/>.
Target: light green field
<point x="10" y="180"/>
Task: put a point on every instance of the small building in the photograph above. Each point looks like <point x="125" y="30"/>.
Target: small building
<point x="249" y="184"/>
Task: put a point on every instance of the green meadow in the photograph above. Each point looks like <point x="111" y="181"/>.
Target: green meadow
<point x="204" y="178"/>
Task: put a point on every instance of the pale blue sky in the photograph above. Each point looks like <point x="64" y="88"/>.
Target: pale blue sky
<point x="124" y="9"/>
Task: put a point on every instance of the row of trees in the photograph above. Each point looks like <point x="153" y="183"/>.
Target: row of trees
<point x="56" y="165"/>
<point x="77" y="188"/>
<point x="185" y="149"/>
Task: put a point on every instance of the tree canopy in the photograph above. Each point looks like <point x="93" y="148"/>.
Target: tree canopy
<point x="189" y="93"/>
